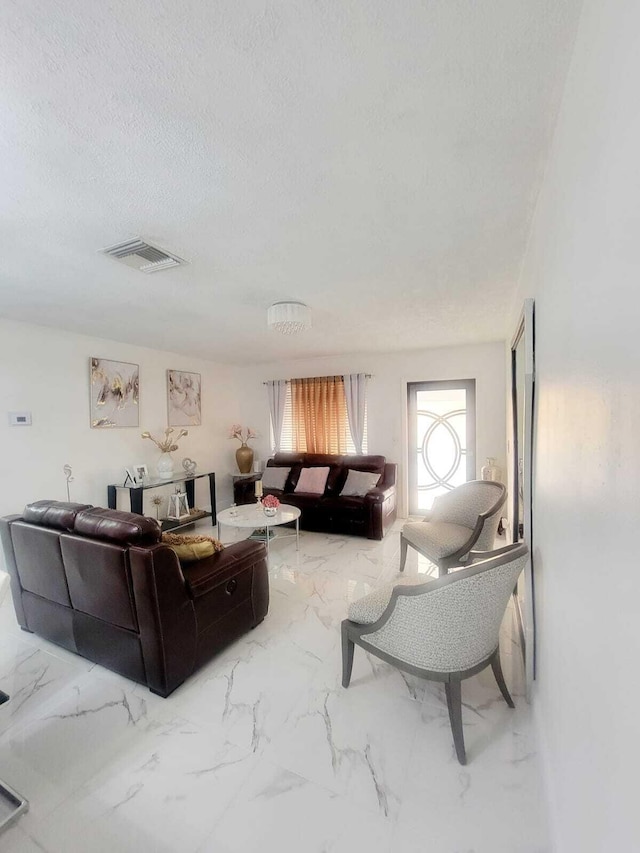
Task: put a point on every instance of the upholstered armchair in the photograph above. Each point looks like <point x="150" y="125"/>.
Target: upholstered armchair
<point x="466" y="518"/>
<point x="442" y="630"/>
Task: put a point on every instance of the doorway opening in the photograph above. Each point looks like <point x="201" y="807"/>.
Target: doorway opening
<point x="442" y="439"/>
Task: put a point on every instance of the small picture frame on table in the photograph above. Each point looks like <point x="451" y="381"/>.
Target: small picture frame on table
<point x="130" y="478"/>
<point x="141" y="473"/>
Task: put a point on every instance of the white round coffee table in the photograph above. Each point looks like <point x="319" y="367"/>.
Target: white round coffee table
<point x="252" y="516"/>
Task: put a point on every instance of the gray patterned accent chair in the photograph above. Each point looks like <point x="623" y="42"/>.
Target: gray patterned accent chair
<point x="465" y="518"/>
<point x="442" y="630"/>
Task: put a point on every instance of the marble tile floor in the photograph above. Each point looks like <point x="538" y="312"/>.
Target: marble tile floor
<point x="263" y="750"/>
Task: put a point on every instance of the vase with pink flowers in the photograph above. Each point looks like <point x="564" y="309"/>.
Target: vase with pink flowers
<point x="244" y="454"/>
<point x="270" y="504"/>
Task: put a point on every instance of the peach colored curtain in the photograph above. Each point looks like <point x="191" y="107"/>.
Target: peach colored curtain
<point x="320" y="422"/>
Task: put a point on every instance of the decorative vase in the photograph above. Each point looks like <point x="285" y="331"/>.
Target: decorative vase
<point x="244" y="458"/>
<point x="270" y="511"/>
<point x="490" y="471"/>
<point x="165" y="466"/>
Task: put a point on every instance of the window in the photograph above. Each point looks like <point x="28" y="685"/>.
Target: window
<point x="293" y="437"/>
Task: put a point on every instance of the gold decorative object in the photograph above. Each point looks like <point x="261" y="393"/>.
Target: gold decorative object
<point x="157" y="502"/>
<point x="244" y="454"/>
<point x="167" y="444"/>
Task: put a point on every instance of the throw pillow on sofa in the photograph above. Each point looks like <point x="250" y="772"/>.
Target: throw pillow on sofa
<point x="275" y="478"/>
<point x="359" y="483"/>
<point x="313" y="480"/>
<point x="191" y="548"/>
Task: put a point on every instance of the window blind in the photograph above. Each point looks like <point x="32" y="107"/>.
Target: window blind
<point x="287" y="440"/>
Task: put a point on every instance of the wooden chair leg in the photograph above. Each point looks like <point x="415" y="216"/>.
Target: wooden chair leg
<point x="348" y="649"/>
<point x="403" y="552"/>
<point x="442" y="569"/>
<point x="496" y="666"/>
<point x="454" y="704"/>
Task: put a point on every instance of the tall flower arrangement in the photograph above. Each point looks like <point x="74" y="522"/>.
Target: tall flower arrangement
<point x="244" y="454"/>
<point x="243" y="434"/>
<point x="168" y="443"/>
<point x="166" y="446"/>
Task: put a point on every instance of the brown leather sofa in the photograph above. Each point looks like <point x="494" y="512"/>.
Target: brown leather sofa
<point x="371" y="515"/>
<point x="100" y="583"/>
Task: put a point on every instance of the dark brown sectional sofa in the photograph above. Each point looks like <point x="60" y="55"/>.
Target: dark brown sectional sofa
<point x="371" y="515"/>
<point x="100" y="583"/>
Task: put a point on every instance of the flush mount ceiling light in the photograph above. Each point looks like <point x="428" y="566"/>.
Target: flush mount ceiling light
<point x="289" y="318"/>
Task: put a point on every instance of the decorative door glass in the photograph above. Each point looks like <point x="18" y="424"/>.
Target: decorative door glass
<point x="441" y="439"/>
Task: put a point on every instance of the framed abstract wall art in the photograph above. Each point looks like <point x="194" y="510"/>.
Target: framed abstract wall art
<point x="115" y="392"/>
<point x="184" y="400"/>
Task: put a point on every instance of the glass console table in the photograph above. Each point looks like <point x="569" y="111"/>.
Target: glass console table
<point x="186" y="480"/>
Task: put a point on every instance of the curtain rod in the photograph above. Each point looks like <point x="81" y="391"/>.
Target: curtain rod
<point x="367" y="375"/>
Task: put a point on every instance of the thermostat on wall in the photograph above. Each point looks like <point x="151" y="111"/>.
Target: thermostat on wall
<point x="20" y="418"/>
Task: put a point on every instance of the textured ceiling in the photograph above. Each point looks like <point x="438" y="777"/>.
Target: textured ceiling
<point x="377" y="160"/>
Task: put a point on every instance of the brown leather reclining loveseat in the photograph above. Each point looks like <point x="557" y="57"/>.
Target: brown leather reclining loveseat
<point x="100" y="583"/>
<point x="371" y="514"/>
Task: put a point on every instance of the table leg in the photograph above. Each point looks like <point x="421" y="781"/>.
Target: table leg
<point x="298" y="533"/>
<point x="190" y="489"/>
<point x="135" y="497"/>
<point x="266" y="530"/>
<point x="212" y="494"/>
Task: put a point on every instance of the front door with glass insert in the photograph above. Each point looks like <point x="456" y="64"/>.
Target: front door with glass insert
<point x="442" y="439"/>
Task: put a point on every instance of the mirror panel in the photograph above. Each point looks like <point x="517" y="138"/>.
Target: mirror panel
<point x="522" y="401"/>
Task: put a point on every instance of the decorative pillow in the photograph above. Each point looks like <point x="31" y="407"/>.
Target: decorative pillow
<point x="313" y="480"/>
<point x="275" y="478"/>
<point x="359" y="483"/>
<point x="191" y="548"/>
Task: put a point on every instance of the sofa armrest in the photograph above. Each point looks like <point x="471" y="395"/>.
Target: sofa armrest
<point x="390" y="476"/>
<point x="166" y="617"/>
<point x="381" y="503"/>
<point x="379" y="495"/>
<point x="204" y="575"/>
<point x="386" y="487"/>
<point x="10" y="566"/>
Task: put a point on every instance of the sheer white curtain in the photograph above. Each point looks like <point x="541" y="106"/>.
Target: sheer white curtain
<point x="355" y="392"/>
<point x="277" y="393"/>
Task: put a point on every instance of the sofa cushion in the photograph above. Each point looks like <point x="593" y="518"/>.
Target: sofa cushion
<point x="359" y="483"/>
<point x="275" y="477"/>
<point x="57" y="514"/>
<point x="39" y="562"/>
<point x="191" y="548"/>
<point x="305" y="501"/>
<point x="341" y="503"/>
<point x="436" y="539"/>
<point x="312" y="481"/>
<point x="99" y="579"/>
<point x="125" y="528"/>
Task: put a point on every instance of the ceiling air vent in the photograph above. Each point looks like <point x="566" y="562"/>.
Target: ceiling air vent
<point x="143" y="256"/>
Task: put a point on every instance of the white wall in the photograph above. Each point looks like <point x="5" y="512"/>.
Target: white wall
<point x="583" y="268"/>
<point x="47" y="372"/>
<point x="387" y="395"/>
